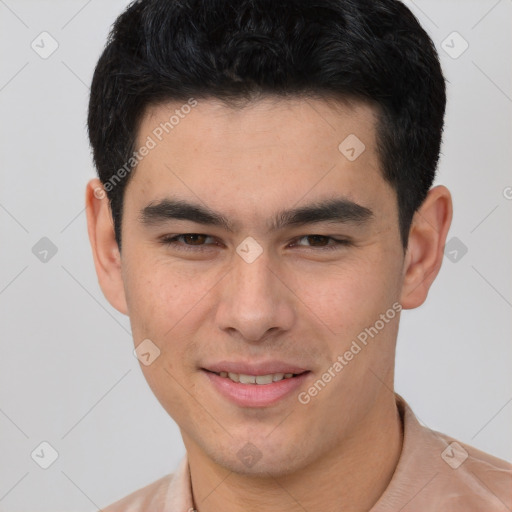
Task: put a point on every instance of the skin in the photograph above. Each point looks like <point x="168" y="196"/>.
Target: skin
<point x="294" y="303"/>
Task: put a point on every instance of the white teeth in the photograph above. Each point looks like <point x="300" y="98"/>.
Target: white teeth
<point x="264" y="379"/>
<point x="246" y="379"/>
<point x="255" y="379"/>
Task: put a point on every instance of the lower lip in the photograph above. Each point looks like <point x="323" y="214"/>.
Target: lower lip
<point x="255" y="395"/>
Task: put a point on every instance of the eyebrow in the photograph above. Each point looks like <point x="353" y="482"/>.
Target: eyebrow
<point x="339" y="210"/>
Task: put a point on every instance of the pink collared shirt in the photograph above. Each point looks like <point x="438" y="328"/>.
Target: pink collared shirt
<point x="435" y="473"/>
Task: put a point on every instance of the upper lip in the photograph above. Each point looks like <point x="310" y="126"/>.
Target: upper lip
<point x="263" y="368"/>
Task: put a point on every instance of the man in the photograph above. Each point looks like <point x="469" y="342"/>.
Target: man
<point x="263" y="213"/>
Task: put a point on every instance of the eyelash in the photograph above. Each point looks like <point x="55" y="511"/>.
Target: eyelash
<point x="174" y="241"/>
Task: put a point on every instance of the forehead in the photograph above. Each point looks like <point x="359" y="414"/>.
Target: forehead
<point x="264" y="153"/>
<point x="271" y="121"/>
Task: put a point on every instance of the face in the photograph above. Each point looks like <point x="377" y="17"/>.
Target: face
<point x="253" y="243"/>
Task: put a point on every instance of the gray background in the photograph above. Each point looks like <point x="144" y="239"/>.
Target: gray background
<point x="67" y="373"/>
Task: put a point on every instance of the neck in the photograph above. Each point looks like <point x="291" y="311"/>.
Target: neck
<point x="350" y="477"/>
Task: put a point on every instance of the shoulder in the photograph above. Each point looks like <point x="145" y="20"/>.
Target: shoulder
<point x="151" y="497"/>
<point x="171" y="492"/>
<point x="482" y="477"/>
<point x="437" y="472"/>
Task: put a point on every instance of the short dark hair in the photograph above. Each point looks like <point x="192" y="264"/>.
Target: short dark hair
<point x="239" y="50"/>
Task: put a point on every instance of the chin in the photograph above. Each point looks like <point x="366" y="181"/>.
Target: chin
<point x="264" y="463"/>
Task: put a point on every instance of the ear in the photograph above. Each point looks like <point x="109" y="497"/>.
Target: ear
<point x="107" y="258"/>
<point x="425" y="248"/>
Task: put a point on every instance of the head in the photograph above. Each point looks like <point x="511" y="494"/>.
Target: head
<point x="299" y="143"/>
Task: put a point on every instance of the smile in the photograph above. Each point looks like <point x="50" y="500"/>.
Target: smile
<point x="256" y="379"/>
<point x="249" y="390"/>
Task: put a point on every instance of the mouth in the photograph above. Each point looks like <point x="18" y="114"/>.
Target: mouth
<point x="258" y="387"/>
<point x="244" y="378"/>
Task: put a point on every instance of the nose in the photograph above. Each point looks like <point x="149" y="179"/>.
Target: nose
<point x="255" y="303"/>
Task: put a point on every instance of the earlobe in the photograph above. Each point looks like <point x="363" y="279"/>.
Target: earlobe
<point x="425" y="249"/>
<point x="105" y="251"/>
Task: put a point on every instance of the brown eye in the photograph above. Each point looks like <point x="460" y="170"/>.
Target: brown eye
<point x="187" y="241"/>
<point x="194" y="239"/>
<point x="321" y="242"/>
<point x="317" y="240"/>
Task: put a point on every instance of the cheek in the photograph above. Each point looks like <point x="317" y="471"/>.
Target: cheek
<point x="344" y="297"/>
<point x="151" y="287"/>
<point x="161" y="304"/>
<point x="164" y="298"/>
